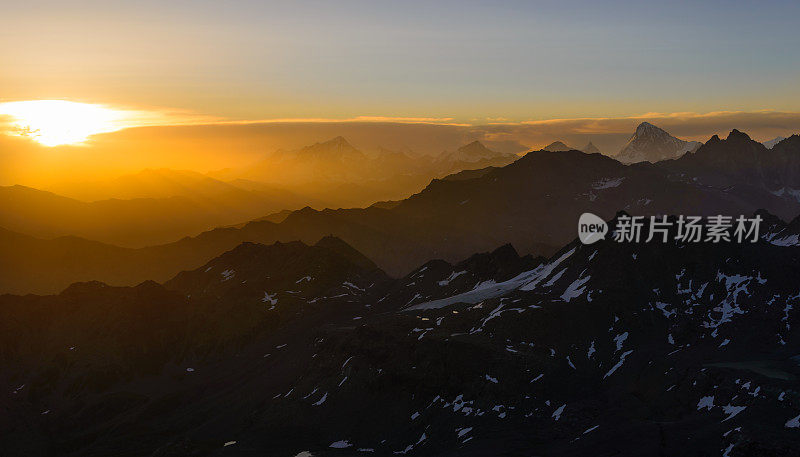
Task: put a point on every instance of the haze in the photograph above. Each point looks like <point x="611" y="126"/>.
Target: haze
<point x="206" y="86"/>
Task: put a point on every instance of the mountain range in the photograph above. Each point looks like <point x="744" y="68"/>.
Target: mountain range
<point x="532" y="203"/>
<point x="556" y="146"/>
<point x="152" y="207"/>
<point x="296" y="349"/>
<point x="161" y="206"/>
<point x="739" y="162"/>
<point x="336" y="171"/>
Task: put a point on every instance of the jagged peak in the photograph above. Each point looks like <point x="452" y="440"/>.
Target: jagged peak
<point x="737" y="135"/>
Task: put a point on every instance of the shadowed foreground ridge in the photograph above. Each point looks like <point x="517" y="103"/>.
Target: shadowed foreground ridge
<point x="609" y="349"/>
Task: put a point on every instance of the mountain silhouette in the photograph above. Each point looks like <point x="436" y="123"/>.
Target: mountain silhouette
<point x="742" y="162"/>
<point x="532" y="203"/>
<point x="557" y="146"/>
<point x="336" y="172"/>
<point x="138" y="222"/>
<point x="472" y="152"/>
<point x="590" y="149"/>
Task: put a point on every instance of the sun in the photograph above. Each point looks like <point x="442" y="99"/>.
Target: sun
<point x="59" y="122"/>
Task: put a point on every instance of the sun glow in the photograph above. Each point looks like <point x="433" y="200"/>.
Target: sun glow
<point x="58" y="122"/>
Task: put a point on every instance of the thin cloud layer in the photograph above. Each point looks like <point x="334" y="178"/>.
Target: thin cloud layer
<point x="174" y="139"/>
<point x="610" y="134"/>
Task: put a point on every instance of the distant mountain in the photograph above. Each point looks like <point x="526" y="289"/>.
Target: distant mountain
<point x="140" y="221"/>
<point x="337" y="148"/>
<point x="276" y="218"/>
<point x="338" y="173"/>
<point x="291" y="349"/>
<point x="557" y="146"/>
<point x="469" y="159"/>
<point x="561" y="146"/>
<point x="149" y="183"/>
<point x="334" y="160"/>
<point x="652" y="144"/>
<point x="472" y="152"/>
<point x="771" y="143"/>
<point x="590" y="149"/>
<point x="449" y="219"/>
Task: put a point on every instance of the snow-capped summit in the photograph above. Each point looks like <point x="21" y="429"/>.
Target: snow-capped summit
<point x="652" y="144"/>
<point x="769" y="144"/>
<point x="473" y="153"/>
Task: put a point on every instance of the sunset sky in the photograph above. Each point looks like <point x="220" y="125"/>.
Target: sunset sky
<point x="447" y="62"/>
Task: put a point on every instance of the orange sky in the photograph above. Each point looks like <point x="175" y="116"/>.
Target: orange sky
<point x="424" y="76"/>
<point x="213" y="146"/>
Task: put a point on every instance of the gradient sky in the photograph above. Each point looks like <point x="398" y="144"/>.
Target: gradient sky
<point x="473" y="61"/>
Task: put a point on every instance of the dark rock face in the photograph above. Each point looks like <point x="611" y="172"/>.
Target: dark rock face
<point x="741" y="161"/>
<point x="608" y="349"/>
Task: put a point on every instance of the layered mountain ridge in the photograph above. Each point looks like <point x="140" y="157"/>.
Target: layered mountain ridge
<point x="494" y="354"/>
<point x="452" y="218"/>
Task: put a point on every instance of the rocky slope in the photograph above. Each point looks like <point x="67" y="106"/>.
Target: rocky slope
<point x="652" y="144"/>
<point x="609" y="349"/>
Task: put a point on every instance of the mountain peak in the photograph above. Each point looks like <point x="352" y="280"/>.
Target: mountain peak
<point x="338" y="141"/>
<point x="646" y="127"/>
<point x="591" y="149"/>
<point x="472" y="152"/>
<point x="341" y="247"/>
<point x="653" y="144"/>
<point x="335" y="147"/>
<point x="556" y="146"/>
<point x="474" y="144"/>
<point x="476" y="147"/>
<point x="737" y="135"/>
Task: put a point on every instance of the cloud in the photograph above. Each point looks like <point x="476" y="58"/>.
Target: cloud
<point x="56" y="122"/>
<point x="357" y="119"/>
<point x="610" y="133"/>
